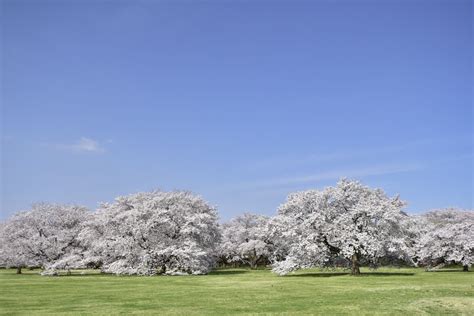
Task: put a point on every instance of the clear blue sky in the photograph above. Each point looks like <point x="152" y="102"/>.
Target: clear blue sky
<point x="241" y="102"/>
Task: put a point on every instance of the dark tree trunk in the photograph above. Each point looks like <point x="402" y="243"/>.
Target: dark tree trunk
<point x="355" y="265"/>
<point x="253" y="260"/>
<point x="465" y="268"/>
<point x="18" y="270"/>
<point x="253" y="264"/>
<point x="163" y="269"/>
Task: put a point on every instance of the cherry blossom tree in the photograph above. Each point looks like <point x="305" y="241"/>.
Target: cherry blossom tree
<point x="153" y="233"/>
<point x="44" y="236"/>
<point x="446" y="236"/>
<point x="10" y="254"/>
<point x="245" y="240"/>
<point x="278" y="239"/>
<point x="349" y="221"/>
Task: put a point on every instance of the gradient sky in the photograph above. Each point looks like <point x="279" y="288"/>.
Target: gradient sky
<point x="241" y="102"/>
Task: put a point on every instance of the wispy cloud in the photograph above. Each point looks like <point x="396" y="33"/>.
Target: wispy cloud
<point x="87" y="144"/>
<point x="334" y="175"/>
<point x="84" y="144"/>
<point x="341" y="155"/>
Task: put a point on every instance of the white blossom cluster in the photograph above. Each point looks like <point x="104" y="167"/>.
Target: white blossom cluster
<point x="446" y="236"/>
<point x="153" y="233"/>
<point x="245" y="240"/>
<point x="145" y="234"/>
<point x="348" y="221"/>
<point x="46" y="236"/>
<point x="177" y="233"/>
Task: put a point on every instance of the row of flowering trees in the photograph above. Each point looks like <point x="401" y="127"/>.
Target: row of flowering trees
<point x="159" y="232"/>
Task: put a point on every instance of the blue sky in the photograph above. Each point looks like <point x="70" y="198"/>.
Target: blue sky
<point x="241" y="102"/>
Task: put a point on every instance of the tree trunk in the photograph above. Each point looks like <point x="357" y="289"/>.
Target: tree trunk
<point x="163" y="269"/>
<point x="355" y="265"/>
<point x="18" y="270"/>
<point x="253" y="260"/>
<point x="253" y="264"/>
<point x="465" y="268"/>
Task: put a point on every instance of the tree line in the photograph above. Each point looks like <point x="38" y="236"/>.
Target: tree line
<point x="348" y="225"/>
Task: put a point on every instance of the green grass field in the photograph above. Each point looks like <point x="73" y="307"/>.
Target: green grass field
<point x="241" y="291"/>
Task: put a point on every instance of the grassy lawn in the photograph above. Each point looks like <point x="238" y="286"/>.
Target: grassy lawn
<point x="240" y="291"/>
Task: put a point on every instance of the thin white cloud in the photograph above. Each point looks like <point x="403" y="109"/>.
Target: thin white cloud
<point x="335" y="175"/>
<point x="339" y="156"/>
<point x="87" y="144"/>
<point x="84" y="144"/>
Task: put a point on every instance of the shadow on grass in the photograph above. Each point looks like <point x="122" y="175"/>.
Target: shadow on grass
<point x="61" y="275"/>
<point x="335" y="274"/>
<point x="65" y="275"/>
<point x="82" y="275"/>
<point x="95" y="274"/>
<point x="388" y="273"/>
<point x="317" y="274"/>
<point x="227" y="272"/>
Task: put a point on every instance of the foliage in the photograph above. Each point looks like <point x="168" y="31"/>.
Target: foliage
<point x="46" y="236"/>
<point x="446" y="236"/>
<point x="245" y="240"/>
<point x="153" y="233"/>
<point x="350" y="221"/>
<point x="157" y="232"/>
